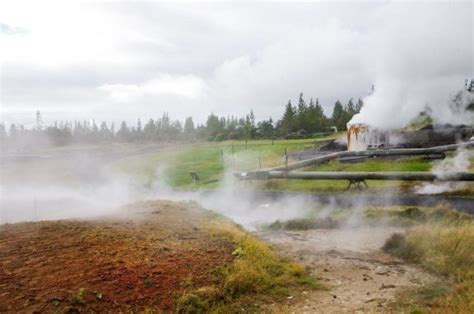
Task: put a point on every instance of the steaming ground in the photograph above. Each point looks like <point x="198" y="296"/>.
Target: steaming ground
<point x="458" y="163"/>
<point x="347" y="259"/>
<point x="78" y="184"/>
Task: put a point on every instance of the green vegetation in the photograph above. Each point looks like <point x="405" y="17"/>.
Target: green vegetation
<point x="148" y="282"/>
<point x="442" y="243"/>
<point x="314" y="219"/>
<point x="304" y="224"/>
<point x="304" y="120"/>
<point x="423" y="119"/>
<point x="78" y="297"/>
<point x="375" y="164"/>
<point x="256" y="270"/>
<point x="210" y="161"/>
<point x="409" y="215"/>
<point x="328" y="186"/>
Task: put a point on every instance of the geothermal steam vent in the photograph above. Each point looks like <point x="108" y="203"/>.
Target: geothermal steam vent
<point x="361" y="136"/>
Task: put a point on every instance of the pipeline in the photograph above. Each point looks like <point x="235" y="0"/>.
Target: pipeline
<point x="373" y="153"/>
<point x="407" y="175"/>
<point x="285" y="172"/>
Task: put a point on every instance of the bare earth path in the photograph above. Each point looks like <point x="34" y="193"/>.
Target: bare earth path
<point x="359" y="277"/>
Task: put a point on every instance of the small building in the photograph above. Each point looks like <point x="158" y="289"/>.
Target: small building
<point x="363" y="137"/>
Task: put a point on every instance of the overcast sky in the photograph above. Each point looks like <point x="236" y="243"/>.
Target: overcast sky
<point x="124" y="60"/>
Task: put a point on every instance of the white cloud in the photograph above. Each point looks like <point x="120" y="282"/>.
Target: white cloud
<point x="121" y="60"/>
<point x="188" y="86"/>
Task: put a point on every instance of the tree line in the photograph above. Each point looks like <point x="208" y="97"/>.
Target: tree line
<point x="298" y="121"/>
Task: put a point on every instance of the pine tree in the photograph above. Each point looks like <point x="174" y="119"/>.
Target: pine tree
<point x="39" y="121"/>
<point x="265" y="128"/>
<point x="287" y="123"/>
<point x="149" y="130"/>
<point x="359" y="105"/>
<point x="213" y="126"/>
<point x="13" y="130"/>
<point x="252" y="119"/>
<point x="104" y="132"/>
<point x="322" y="120"/>
<point x="3" y="133"/>
<point x="123" y="133"/>
<point x="302" y="122"/>
<point x="318" y="121"/>
<point x="139" y="125"/>
<point x="337" y="118"/>
<point x="189" y="126"/>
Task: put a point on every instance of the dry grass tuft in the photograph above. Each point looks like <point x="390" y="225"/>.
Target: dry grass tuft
<point x="444" y="244"/>
<point x="256" y="269"/>
<point x="305" y="224"/>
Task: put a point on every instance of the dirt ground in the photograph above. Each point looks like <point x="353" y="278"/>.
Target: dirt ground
<point x="357" y="275"/>
<point x="139" y="259"/>
<point x="148" y="254"/>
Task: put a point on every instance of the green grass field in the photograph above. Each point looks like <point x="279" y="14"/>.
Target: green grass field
<point x="211" y="161"/>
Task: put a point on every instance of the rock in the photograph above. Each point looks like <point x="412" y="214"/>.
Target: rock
<point x="384" y="286"/>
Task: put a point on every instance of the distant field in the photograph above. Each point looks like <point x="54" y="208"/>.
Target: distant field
<point x="211" y="161"/>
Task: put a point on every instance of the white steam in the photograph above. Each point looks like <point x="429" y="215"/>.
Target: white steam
<point x="97" y="190"/>
<point x="35" y="201"/>
<point x="458" y="163"/>
<point x="394" y="105"/>
<point x="420" y="63"/>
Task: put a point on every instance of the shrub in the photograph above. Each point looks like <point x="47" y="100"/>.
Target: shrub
<point x="397" y="245"/>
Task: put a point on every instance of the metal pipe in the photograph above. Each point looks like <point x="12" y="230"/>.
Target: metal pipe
<point x="373" y="153"/>
<point x="406" y="175"/>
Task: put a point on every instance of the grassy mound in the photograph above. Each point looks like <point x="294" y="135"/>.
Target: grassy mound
<point x="444" y="244"/>
<point x="305" y="224"/>
<point x="256" y="270"/>
<point x="410" y="215"/>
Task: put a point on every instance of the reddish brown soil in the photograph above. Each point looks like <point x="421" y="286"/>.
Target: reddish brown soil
<point x="141" y="259"/>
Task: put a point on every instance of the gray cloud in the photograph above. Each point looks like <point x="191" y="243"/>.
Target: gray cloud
<point x="11" y="30"/>
<point x="140" y="59"/>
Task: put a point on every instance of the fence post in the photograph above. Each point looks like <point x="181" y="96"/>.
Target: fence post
<point x="286" y="158"/>
<point x="233" y="160"/>
<point x="259" y="163"/>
